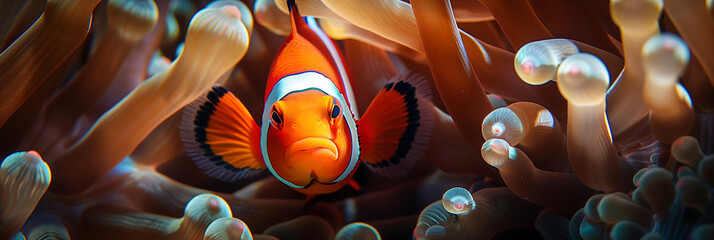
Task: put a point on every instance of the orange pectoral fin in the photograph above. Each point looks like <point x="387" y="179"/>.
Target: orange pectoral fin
<point x="221" y="137"/>
<point x="395" y="129"/>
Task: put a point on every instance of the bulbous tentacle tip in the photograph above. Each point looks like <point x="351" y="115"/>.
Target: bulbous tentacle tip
<point x="656" y="186"/>
<point x="358" y="231"/>
<point x="686" y="150"/>
<point x="537" y="62"/>
<point x="590" y="209"/>
<point x="26" y="175"/>
<point x="207" y="205"/>
<point x="583" y="79"/>
<point x="685" y="171"/>
<point x="591" y="231"/>
<point x="243" y="12"/>
<point x="692" y="192"/>
<point x="496" y="152"/>
<point x="458" y="201"/>
<point x="219" y="33"/>
<point x="627" y="230"/>
<point x="617" y="207"/>
<point x="505" y="124"/>
<point x="132" y="19"/>
<point x="665" y="56"/>
<point x="227" y="229"/>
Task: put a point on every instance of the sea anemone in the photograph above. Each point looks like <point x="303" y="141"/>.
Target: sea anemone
<point x="554" y="119"/>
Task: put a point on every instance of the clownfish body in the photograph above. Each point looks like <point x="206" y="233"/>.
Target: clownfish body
<point x="308" y="137"/>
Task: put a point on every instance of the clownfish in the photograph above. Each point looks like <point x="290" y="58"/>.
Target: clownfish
<point x="309" y="137"/>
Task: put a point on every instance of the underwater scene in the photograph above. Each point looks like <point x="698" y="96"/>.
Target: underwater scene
<point x="379" y="119"/>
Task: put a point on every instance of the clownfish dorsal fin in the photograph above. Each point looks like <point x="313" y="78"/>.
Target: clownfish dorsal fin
<point x="394" y="131"/>
<point x="303" y="51"/>
<point x="299" y="26"/>
<point x="295" y="18"/>
<point x="307" y="27"/>
<point x="221" y="137"/>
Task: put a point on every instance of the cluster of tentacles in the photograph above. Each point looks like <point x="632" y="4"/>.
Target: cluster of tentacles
<point x="558" y="119"/>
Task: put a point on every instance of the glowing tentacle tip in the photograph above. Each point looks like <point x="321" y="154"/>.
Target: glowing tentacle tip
<point x="583" y="79"/>
<point x="496" y="151"/>
<point x="537" y="62"/>
<point x="220" y="29"/>
<point x="665" y="58"/>
<point x="244" y="13"/>
<point x="134" y="18"/>
<point x="207" y="204"/>
<point x="503" y="123"/>
<point x="458" y="201"/>
<point x="686" y="150"/>
<point x="231" y="11"/>
<point x="227" y="229"/>
<point x="358" y="231"/>
<point x="24" y="178"/>
<point x="200" y="212"/>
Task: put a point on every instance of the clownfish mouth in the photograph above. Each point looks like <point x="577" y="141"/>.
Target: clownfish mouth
<point x="311" y="151"/>
<point x="315" y="179"/>
<point x="314" y="149"/>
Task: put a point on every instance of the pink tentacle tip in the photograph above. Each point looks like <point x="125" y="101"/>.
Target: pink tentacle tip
<point x="498" y="147"/>
<point x="237" y="226"/>
<point x="680" y="184"/>
<point x="33" y="156"/>
<point x="527" y="67"/>
<point x="213" y="205"/>
<point x="231" y="11"/>
<point x="33" y="152"/>
<point x="669" y="45"/>
<point x="574" y="71"/>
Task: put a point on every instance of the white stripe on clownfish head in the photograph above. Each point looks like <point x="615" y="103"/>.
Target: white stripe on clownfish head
<point x="338" y="61"/>
<point x="300" y="82"/>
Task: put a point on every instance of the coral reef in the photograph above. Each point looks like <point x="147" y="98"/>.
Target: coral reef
<point x="596" y="119"/>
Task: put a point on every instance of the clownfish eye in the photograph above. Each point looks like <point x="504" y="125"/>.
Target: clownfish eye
<point x="276" y="115"/>
<point x="276" y="118"/>
<point x="335" y="111"/>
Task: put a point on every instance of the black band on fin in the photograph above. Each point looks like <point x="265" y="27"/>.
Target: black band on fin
<point x="219" y="135"/>
<point x="395" y="129"/>
<point x="291" y="4"/>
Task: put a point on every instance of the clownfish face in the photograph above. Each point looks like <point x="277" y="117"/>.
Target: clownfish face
<point x="308" y="140"/>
